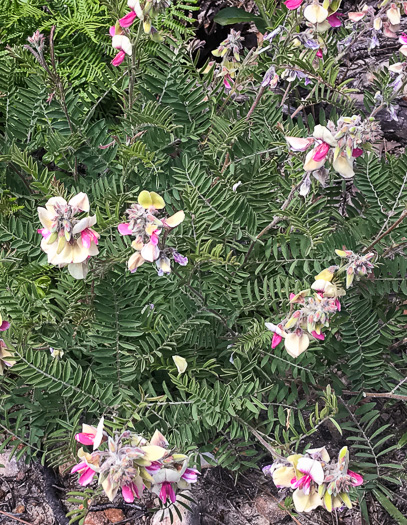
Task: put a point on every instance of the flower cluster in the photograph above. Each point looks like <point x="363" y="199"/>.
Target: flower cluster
<point x="316" y="480"/>
<point x="146" y="227"/>
<point x="358" y="265"/>
<point x="229" y="50"/>
<point x="322" y="16"/>
<point x="318" y="304"/>
<point x="68" y="240"/>
<point x="131" y="464"/>
<point x="340" y="144"/>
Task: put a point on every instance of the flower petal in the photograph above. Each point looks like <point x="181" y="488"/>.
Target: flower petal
<point x="80" y="201"/>
<point x="124" y="229"/>
<point x="296" y="345"/>
<point x="315" y="13"/>
<point x="175" y="219"/>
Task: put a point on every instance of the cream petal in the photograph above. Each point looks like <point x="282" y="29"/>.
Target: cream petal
<point x="321" y="452"/>
<point x="135" y="261"/>
<point x="99" y="434"/>
<point x="175" y="219"/>
<point x="296" y="345"/>
<point x="344" y="167"/>
<point x="310" y="164"/>
<point x="306" y="502"/>
<point x="166" y="474"/>
<point x="323" y="133"/>
<point x="150" y="252"/>
<point x="93" y="250"/>
<point x="397" y="68"/>
<point x="86" y="222"/>
<point x="153" y="452"/>
<point x="53" y="201"/>
<point x="315" y="13"/>
<point x="46" y="218"/>
<point x="80" y="201"/>
<point x="78" y="271"/>
<point x="298" y="143"/>
<point x="159" y="440"/>
<point x="403" y="50"/>
<point x="79" y="252"/>
<point x="393" y="14"/>
<point x="180" y="363"/>
<point x="282" y="476"/>
<point x="110" y="488"/>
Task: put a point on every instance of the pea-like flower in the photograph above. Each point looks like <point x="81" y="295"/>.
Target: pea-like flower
<point x="5" y="355"/>
<point x="357" y="265"/>
<point x="4" y="325"/>
<point x="68" y="240"/>
<point x="120" y="42"/>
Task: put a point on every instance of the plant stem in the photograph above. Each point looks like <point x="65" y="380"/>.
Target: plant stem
<point x="399" y="220"/>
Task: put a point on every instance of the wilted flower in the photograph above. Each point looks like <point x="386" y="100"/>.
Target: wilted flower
<point x="270" y="78"/>
<point x="66" y="239"/>
<point x="230" y="46"/>
<point x="4" y="325"/>
<point x="4" y="357"/>
<point x="56" y="354"/>
<point x="180" y="363"/>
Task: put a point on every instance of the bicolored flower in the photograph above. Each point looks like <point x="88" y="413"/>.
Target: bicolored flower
<point x="91" y="435"/>
<point x="120" y="42"/>
<point x="86" y="473"/>
<point x="298" y="143"/>
<point x="306" y="497"/>
<point x="131" y="491"/>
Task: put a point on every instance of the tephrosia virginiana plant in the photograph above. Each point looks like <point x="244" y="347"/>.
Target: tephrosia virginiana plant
<point x="235" y="168"/>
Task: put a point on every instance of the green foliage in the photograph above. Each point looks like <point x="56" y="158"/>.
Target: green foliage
<point x="119" y="331"/>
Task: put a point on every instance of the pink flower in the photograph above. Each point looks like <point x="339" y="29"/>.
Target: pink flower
<point x="320" y="337"/>
<point x="292" y="4"/>
<point x="334" y="20"/>
<point x="227" y="82"/>
<point x="88" y="236"/>
<point x="128" y="19"/>
<point x="124" y="229"/>
<point x="154" y="237"/>
<point x="190" y="475"/>
<point x="167" y="491"/>
<point x="357" y="152"/>
<point x="276" y="340"/>
<point x="403" y="38"/>
<point x="357" y="479"/>
<point x="5" y="325"/>
<point x="319" y="53"/>
<point x="129" y="492"/>
<point x="320" y="152"/>
<point x="338" y="305"/>
<point x="86" y="473"/>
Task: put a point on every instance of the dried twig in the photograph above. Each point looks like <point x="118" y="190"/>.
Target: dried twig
<point x="14" y="517"/>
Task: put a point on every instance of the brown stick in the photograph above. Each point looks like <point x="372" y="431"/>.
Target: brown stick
<point x="14" y="517"/>
<point x="388" y="395"/>
<point x="399" y="220"/>
<point x="256" y="101"/>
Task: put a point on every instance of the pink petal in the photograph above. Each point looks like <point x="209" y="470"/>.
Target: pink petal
<point x="334" y="20"/>
<point x="292" y="4"/>
<point x="128" y="19"/>
<point x="357" y="152"/>
<point x="86" y="477"/>
<point x="356" y="16"/>
<point x="155" y="465"/>
<point x="319" y="53"/>
<point x="276" y="340"/>
<point x="338" y="305"/>
<point x="118" y="59"/>
<point x="226" y="83"/>
<point x="85" y="439"/>
<point x="154" y="238"/>
<point x="403" y="38"/>
<point x="124" y="229"/>
<point x="320" y="337"/>
<point x="44" y="232"/>
<point x="163" y="492"/>
<point x="171" y="493"/>
<point x="112" y="31"/>
<point x="320" y="152"/>
<point x="80" y="466"/>
<point x="358" y="479"/>
<point x="128" y="495"/>
<point x="86" y="238"/>
<point x="5" y="325"/>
